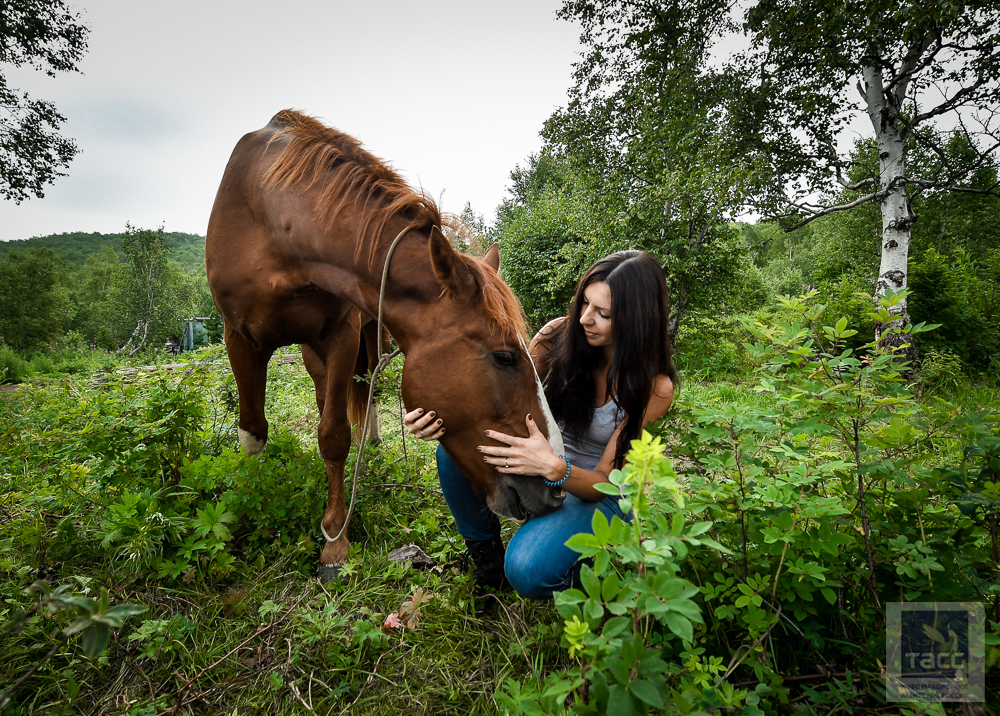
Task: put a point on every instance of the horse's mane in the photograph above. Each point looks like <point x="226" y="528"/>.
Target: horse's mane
<point x="499" y="302"/>
<point x="347" y="175"/>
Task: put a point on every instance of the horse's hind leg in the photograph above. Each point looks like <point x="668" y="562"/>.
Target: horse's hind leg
<point x="333" y="374"/>
<point x="249" y="364"/>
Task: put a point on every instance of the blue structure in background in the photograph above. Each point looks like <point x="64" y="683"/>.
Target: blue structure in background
<point x="193" y="334"/>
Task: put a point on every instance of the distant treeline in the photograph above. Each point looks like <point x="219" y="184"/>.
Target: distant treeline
<point x="187" y="250"/>
<point x="126" y="292"/>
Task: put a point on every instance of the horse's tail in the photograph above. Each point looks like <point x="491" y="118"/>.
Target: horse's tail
<point x="357" y="394"/>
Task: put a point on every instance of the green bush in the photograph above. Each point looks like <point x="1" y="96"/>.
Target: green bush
<point x="774" y="552"/>
<point x="950" y="291"/>
<point x="940" y="372"/>
<point x="41" y="363"/>
<point x="13" y="368"/>
<point x="712" y="347"/>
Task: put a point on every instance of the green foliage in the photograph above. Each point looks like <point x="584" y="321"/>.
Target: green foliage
<point x="44" y="35"/>
<point x="75" y="248"/>
<point x="13" y="368"/>
<point x="636" y="160"/>
<point x="797" y="515"/>
<point x="95" y="618"/>
<point x="940" y="372"/>
<point x="34" y="300"/>
<point x="150" y="461"/>
<point x="958" y="293"/>
<point x="544" y="248"/>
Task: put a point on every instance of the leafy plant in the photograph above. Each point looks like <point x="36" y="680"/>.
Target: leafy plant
<point x="95" y="618"/>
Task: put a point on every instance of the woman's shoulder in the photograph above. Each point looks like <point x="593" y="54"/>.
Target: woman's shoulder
<point x="549" y="327"/>
<point x="663" y="387"/>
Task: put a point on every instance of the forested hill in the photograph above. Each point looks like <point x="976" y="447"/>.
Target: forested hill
<point x="74" y="248"/>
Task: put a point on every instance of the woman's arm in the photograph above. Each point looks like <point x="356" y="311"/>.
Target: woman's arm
<point x="534" y="456"/>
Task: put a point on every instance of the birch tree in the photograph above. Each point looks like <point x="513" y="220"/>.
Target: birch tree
<point x="916" y="71"/>
<point x="145" y="287"/>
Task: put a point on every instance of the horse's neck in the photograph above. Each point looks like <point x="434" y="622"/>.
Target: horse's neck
<point x="411" y="286"/>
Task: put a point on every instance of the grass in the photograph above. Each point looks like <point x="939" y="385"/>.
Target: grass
<point x="267" y="636"/>
<point x="262" y="636"/>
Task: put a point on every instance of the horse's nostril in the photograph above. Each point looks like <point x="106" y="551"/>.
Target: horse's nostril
<point x="556" y="498"/>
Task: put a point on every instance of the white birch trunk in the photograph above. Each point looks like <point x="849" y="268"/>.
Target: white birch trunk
<point x="896" y="217"/>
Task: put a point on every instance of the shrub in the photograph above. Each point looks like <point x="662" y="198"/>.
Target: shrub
<point x="41" y="363"/>
<point x="940" y="371"/>
<point x="774" y="552"/>
<point x="13" y="368"/>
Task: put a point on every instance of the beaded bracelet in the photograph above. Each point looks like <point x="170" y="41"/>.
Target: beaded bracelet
<point x="569" y="468"/>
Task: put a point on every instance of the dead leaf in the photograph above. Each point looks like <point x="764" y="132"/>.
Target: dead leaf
<point x="413" y="554"/>
<point x="410" y="610"/>
<point x="391" y="622"/>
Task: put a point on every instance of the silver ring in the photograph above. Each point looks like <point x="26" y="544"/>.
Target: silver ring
<point x="505" y="460"/>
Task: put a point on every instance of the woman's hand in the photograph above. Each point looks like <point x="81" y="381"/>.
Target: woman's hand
<point x="423" y="426"/>
<point x="526" y="456"/>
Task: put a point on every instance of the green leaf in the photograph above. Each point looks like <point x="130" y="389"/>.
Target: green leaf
<point x="699" y="528"/>
<point x="679" y="625"/>
<point x="601" y="561"/>
<point x="601" y="528"/>
<point x="95" y="639"/>
<point x="645" y="691"/>
<point x="591" y="583"/>
<point x="620" y="702"/>
<point x="610" y="587"/>
<point x="584" y="543"/>
<point x="618" y="669"/>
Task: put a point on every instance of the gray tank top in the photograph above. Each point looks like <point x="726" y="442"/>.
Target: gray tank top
<point x="586" y="451"/>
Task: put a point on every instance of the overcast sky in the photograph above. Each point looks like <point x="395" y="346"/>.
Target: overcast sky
<point x="452" y="94"/>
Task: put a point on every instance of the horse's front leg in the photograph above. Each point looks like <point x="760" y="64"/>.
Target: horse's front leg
<point x="249" y="364"/>
<point x="339" y="351"/>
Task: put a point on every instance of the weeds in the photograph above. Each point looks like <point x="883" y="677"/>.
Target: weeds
<point x="747" y="581"/>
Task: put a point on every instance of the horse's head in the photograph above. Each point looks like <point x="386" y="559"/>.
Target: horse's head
<point x="472" y="367"/>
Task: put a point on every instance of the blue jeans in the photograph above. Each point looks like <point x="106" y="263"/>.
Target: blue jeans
<point x="538" y="561"/>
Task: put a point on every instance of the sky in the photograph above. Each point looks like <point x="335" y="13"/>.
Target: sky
<point x="452" y="94"/>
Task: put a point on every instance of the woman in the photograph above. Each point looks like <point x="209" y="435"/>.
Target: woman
<point x="605" y="364"/>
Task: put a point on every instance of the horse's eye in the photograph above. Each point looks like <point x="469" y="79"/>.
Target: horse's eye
<point x="505" y="359"/>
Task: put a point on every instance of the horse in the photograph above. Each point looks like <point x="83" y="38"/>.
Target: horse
<point x="296" y="245"/>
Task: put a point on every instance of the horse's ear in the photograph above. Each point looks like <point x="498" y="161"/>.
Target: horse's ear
<point x="492" y="257"/>
<point x="449" y="269"/>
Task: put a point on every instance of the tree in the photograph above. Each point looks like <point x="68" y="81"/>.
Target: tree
<point x="146" y="285"/>
<point x="915" y="67"/>
<point x="45" y="35"/>
<point x="34" y="303"/>
<point x="636" y="158"/>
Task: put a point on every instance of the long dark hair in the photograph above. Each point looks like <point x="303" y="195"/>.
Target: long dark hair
<point x="639" y="308"/>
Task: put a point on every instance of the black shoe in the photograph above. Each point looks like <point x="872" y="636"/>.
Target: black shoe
<point x="488" y="556"/>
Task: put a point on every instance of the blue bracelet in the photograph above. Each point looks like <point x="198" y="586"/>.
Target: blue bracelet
<point x="569" y="468"/>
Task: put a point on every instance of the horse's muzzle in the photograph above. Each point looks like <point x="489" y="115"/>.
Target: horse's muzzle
<point x="525" y="495"/>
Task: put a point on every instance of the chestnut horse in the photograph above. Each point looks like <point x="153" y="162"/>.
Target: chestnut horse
<point x="296" y="244"/>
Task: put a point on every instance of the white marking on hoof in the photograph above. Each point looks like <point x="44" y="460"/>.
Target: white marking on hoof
<point x="251" y="444"/>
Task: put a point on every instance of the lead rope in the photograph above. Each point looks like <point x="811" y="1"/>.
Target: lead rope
<point x="383" y="361"/>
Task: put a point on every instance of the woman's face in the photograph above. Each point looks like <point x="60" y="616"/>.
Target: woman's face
<point x="596" y="314"/>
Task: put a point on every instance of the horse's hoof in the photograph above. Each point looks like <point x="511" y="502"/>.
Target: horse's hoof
<point x="329" y="573"/>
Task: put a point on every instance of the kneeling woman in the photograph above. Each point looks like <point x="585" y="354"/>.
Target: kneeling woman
<point x="607" y="371"/>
